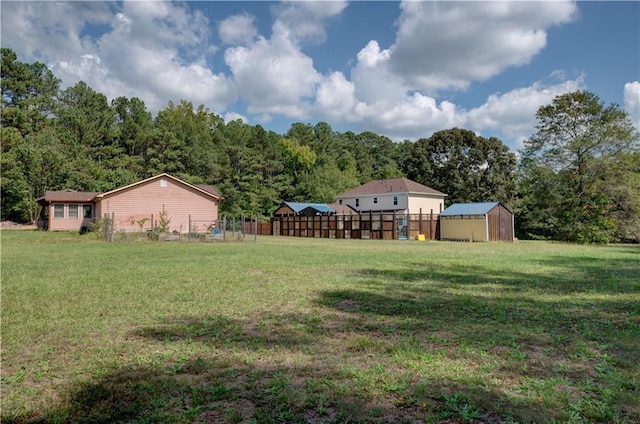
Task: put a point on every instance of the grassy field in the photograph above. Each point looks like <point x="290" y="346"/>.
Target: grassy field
<point x="315" y="330"/>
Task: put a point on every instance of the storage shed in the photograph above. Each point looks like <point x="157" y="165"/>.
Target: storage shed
<point x="489" y="221"/>
<point x="311" y="209"/>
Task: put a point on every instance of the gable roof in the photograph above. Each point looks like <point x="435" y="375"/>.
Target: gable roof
<point x="392" y="185"/>
<point x="321" y="208"/>
<point x="69" y="196"/>
<point x="297" y="206"/>
<point x="469" y="208"/>
<point x="163" y="175"/>
<point x="343" y="209"/>
<point x="211" y="189"/>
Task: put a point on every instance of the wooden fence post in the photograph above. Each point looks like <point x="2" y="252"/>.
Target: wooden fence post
<point x="393" y="226"/>
<point x="431" y="235"/>
<point x="111" y="226"/>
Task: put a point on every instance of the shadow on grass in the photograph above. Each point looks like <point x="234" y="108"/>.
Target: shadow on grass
<point x="424" y="344"/>
<point x="578" y="326"/>
<point x="570" y="275"/>
<point x="246" y="371"/>
<point x="202" y="391"/>
<point x="582" y="300"/>
<point x="263" y="331"/>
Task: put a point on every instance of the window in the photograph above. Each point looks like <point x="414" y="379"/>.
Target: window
<point x="375" y="200"/>
<point x="87" y="211"/>
<point x="395" y="200"/>
<point x="73" y="211"/>
<point x="340" y="201"/>
<point x="357" y="203"/>
<point x="58" y="210"/>
<point x="163" y="182"/>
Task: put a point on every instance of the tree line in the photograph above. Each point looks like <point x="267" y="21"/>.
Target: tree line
<point x="578" y="178"/>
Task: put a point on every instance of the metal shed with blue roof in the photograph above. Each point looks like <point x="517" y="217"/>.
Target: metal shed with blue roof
<point x="487" y="221"/>
<point x="306" y="209"/>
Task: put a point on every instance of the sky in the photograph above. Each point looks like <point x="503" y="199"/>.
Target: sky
<point x="399" y="69"/>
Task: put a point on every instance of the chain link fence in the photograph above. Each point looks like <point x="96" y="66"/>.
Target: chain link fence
<point x="111" y="228"/>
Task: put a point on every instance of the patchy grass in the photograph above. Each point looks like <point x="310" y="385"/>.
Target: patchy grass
<point x="318" y="331"/>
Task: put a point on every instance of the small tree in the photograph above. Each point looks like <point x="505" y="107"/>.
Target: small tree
<point x="165" y="220"/>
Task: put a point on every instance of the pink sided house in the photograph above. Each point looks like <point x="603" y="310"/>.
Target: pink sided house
<point x="136" y="207"/>
<point x="67" y="210"/>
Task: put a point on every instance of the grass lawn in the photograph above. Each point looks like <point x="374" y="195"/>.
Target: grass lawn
<point x="315" y="330"/>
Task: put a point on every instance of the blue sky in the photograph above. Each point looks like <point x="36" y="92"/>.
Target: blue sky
<point x="400" y="69"/>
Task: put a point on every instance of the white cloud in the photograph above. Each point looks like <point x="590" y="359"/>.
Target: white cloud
<point x="165" y="23"/>
<point x="152" y="50"/>
<point x="514" y="113"/>
<point x="632" y="102"/>
<point x="336" y="99"/>
<point x="238" y="29"/>
<point x="38" y="30"/>
<point x="234" y="116"/>
<point x="443" y="45"/>
<point x="161" y="51"/>
<point x="273" y="75"/>
<point x="372" y="77"/>
<point x="510" y="115"/>
<point x="306" y="20"/>
<point x="416" y="116"/>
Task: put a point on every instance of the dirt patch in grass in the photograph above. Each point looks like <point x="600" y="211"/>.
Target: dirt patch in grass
<point x="10" y="225"/>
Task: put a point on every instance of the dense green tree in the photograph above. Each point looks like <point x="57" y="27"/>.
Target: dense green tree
<point x="14" y="186"/>
<point x="623" y="192"/>
<point x="321" y="138"/>
<point x="326" y="180"/>
<point x="579" y="177"/>
<point x="578" y="153"/>
<point x="31" y="166"/>
<point x="28" y="93"/>
<point x="29" y="147"/>
<point x="183" y="141"/>
<point x="298" y="161"/>
<point x="254" y="178"/>
<point x="298" y="158"/>
<point x="275" y="180"/>
<point x="85" y="118"/>
<point x="539" y="199"/>
<point x="85" y="125"/>
<point x="465" y="166"/>
<point x="134" y="131"/>
<point x="303" y="133"/>
<point x="375" y="155"/>
<point x="325" y="140"/>
<point x="322" y="163"/>
<point x="402" y="153"/>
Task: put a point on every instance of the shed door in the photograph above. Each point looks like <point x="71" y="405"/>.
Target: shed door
<point x="506" y="226"/>
<point x="500" y="227"/>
